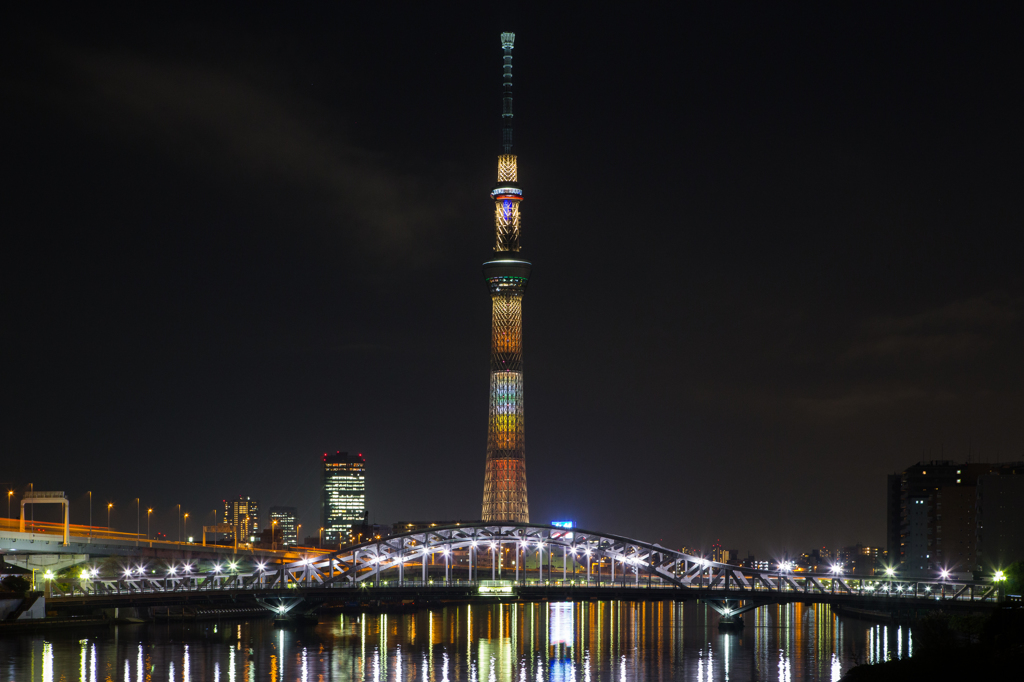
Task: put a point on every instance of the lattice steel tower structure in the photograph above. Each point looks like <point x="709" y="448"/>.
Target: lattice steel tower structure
<point x="506" y="274"/>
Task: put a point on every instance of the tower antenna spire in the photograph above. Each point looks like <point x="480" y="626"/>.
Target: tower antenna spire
<point x="507" y="42"/>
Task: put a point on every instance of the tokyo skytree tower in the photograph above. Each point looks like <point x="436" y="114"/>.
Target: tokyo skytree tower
<point x="506" y="275"/>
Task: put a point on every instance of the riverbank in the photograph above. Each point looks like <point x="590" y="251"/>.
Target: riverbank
<point x="956" y="647"/>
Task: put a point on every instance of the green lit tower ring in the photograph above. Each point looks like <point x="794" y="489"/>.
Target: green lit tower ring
<point x="506" y="275"/>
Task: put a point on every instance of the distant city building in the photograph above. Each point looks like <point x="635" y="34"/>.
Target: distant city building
<point x="344" y="495"/>
<point x="751" y="562"/>
<point x="271" y="538"/>
<point x="860" y="560"/>
<point x="933" y="515"/>
<point x="287" y="519"/>
<point x="366" y="531"/>
<point x="243" y="515"/>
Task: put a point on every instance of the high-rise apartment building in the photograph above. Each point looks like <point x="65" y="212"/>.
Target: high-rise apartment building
<point x="243" y="515"/>
<point x="1001" y="517"/>
<point x="344" y="495"/>
<point x="286" y="519"/>
<point x="934" y="516"/>
<point x="506" y="274"/>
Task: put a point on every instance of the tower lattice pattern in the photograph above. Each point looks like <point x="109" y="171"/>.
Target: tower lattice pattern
<point x="507" y="171"/>
<point x="506" y="224"/>
<point x="507" y="275"/>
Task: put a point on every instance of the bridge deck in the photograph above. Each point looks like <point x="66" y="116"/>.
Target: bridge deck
<point x="465" y="591"/>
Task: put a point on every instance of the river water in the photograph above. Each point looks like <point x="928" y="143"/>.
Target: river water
<point x="584" y="642"/>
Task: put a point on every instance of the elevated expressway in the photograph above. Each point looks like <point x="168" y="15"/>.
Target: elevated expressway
<point x="56" y="546"/>
<point x="488" y="561"/>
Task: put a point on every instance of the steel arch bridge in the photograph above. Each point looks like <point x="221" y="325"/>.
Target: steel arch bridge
<point x="564" y="563"/>
<point x="559" y="553"/>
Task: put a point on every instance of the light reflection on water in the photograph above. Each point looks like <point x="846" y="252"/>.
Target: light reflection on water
<point x="538" y="642"/>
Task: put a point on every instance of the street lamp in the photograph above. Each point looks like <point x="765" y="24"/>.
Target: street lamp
<point x="148" y="512"/>
<point x="186" y="524"/>
<point x="90" y="516"/>
<point x="9" y="493"/>
<point x="298" y="533"/>
<point x="138" y="522"/>
<point x="110" y="505"/>
<point x="179" y="523"/>
<point x="273" y="535"/>
<point x="321" y="537"/>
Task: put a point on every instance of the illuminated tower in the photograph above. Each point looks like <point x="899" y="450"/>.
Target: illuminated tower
<point x="506" y="275"/>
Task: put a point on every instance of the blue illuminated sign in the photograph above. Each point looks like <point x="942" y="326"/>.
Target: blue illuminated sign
<point x="564" y="524"/>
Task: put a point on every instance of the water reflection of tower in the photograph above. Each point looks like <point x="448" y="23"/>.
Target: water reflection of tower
<point x="561" y="635"/>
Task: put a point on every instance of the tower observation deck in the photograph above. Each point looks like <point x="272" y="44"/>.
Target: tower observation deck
<point x="506" y="274"/>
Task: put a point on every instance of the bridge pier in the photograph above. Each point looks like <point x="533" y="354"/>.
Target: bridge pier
<point x="730" y="612"/>
<point x="283" y="609"/>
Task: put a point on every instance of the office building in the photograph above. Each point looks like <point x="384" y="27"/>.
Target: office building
<point x="287" y="519"/>
<point x="344" y="495"/>
<point x="243" y="515"/>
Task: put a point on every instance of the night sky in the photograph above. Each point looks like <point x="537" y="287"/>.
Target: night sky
<point x="777" y="256"/>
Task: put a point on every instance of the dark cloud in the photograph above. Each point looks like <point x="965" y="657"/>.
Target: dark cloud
<point x="961" y="328"/>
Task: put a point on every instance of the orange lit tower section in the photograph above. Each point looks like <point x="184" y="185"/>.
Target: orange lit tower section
<point x="506" y="274"/>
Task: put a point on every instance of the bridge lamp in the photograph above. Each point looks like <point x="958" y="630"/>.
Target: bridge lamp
<point x="899" y="588"/>
<point x="446" y="552"/>
<point x="232" y="565"/>
<point x="999" y="576"/>
<point x="890" y="572"/>
<point x="587" y="552"/>
<point x="726" y="612"/>
<point x="494" y="545"/>
<point x="944" y="573"/>
<point x="173" y="571"/>
<point x="216" y="568"/>
<point x="837" y="569"/>
<point x="127" y="573"/>
<point x="260" y="566"/>
<point x="187" y="568"/>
